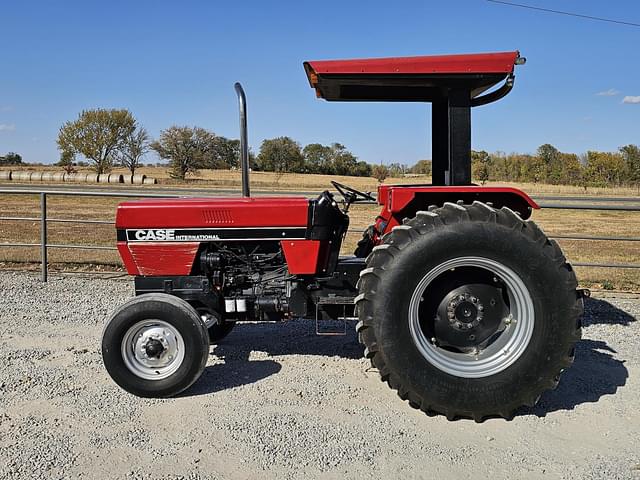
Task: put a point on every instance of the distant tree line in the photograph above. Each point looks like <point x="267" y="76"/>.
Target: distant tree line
<point x="106" y="138"/>
<point x="283" y="154"/>
<point x="11" y="158"/>
<point x="549" y="165"/>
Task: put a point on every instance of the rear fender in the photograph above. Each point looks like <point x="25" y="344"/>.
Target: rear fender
<point x="399" y="203"/>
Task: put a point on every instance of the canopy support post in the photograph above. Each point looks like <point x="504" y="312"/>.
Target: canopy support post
<point x="439" y="141"/>
<point x="451" y="139"/>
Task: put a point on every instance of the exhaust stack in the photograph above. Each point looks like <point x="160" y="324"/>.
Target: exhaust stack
<point x="244" y="145"/>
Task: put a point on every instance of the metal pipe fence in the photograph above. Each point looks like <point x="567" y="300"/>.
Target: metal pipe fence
<point x="44" y="220"/>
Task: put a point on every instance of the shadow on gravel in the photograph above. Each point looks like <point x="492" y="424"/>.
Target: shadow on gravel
<point x="595" y="372"/>
<point x="601" y="312"/>
<point x="227" y="375"/>
<point x="296" y="337"/>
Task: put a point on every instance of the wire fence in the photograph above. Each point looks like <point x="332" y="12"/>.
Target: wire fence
<point x="584" y="203"/>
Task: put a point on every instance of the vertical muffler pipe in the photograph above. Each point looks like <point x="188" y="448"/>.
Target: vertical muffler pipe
<point x="244" y="145"/>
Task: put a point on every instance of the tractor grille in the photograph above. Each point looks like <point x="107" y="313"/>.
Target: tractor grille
<point x="217" y="216"/>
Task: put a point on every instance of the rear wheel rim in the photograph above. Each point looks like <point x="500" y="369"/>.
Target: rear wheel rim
<point x="511" y="339"/>
<point x="153" y="349"/>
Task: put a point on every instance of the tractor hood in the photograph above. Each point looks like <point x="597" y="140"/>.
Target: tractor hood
<point x="213" y="212"/>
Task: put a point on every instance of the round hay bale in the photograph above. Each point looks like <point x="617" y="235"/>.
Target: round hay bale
<point x="71" y="177"/>
<point x="149" y="181"/>
<point x="58" y="176"/>
<point x="82" y="177"/>
<point x="21" y="176"/>
<point x="47" y="176"/>
<point x="92" y="178"/>
<point x="5" y="174"/>
<point x="138" y="179"/>
<point x="116" y="178"/>
<point x="103" y="178"/>
<point x="36" y="176"/>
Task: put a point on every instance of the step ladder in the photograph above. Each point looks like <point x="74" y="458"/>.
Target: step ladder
<point x="333" y="300"/>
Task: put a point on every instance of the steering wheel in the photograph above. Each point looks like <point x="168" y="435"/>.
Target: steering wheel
<point x="350" y="194"/>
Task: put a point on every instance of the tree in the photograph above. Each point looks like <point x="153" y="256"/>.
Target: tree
<point x="550" y="157"/>
<point x="482" y="172"/>
<point x="134" y="147"/>
<point x="344" y="162"/>
<point x="422" y="167"/>
<point x="479" y="156"/>
<point x="318" y="158"/>
<point x="11" y="158"/>
<point x="380" y="172"/>
<point x="226" y="153"/>
<point x="281" y="154"/>
<point x="631" y="155"/>
<point x="604" y="169"/>
<point x="67" y="162"/>
<point x="362" y="169"/>
<point x="186" y="148"/>
<point x="480" y="165"/>
<point x="97" y="135"/>
<point x="333" y="160"/>
<point x="397" y="169"/>
<point x="571" y="173"/>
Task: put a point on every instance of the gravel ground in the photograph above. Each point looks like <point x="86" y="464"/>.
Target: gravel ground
<point x="276" y="401"/>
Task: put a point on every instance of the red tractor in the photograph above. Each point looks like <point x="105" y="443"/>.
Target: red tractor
<point x="464" y="306"/>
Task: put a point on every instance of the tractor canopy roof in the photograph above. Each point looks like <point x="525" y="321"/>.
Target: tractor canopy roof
<point x="417" y="79"/>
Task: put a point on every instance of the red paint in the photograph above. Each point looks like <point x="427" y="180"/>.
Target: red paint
<point x="212" y="212"/>
<point x="395" y="200"/>
<point x="302" y="256"/>
<point x="163" y="258"/>
<point x="127" y="258"/>
<point x="501" y="62"/>
<point x="396" y="197"/>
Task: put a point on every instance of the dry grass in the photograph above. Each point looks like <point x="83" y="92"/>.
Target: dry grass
<point x="312" y="182"/>
<point x="554" y="222"/>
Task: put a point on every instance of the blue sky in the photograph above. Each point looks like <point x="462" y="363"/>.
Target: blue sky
<point x="174" y="62"/>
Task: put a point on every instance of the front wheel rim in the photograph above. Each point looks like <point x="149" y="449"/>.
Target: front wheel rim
<point x="153" y="349"/>
<point x="509" y="345"/>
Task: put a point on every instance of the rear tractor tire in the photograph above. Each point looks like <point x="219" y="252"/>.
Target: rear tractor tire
<point x="469" y="311"/>
<point x="155" y="345"/>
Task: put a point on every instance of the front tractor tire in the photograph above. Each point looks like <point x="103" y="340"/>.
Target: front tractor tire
<point x="469" y="311"/>
<point x="155" y="345"/>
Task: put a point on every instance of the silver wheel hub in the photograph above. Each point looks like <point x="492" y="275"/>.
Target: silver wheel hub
<point x="153" y="349"/>
<point x="483" y="333"/>
<point x="465" y="311"/>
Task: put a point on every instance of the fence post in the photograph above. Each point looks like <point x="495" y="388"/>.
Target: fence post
<point x="43" y="234"/>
